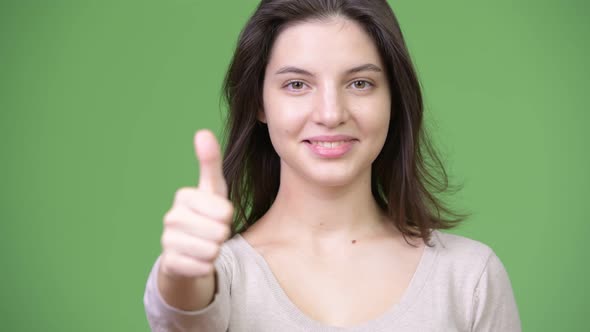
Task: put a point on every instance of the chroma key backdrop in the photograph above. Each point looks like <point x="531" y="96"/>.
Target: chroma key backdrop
<point x="99" y="102"/>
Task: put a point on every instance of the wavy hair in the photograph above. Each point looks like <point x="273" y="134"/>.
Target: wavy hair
<point x="407" y="174"/>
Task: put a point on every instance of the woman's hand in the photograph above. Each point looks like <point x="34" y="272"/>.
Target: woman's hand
<point x="199" y="221"/>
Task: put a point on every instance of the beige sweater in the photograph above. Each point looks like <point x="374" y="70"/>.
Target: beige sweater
<point x="459" y="285"/>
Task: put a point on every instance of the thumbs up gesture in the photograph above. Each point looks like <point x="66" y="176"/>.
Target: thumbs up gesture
<point x="199" y="221"/>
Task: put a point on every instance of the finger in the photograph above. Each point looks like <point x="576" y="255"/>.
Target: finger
<point x="177" y="264"/>
<point x="191" y="246"/>
<point x="196" y="225"/>
<point x="205" y="204"/>
<point x="210" y="163"/>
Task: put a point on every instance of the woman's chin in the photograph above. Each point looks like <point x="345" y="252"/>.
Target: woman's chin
<point x="333" y="179"/>
<point x="336" y="174"/>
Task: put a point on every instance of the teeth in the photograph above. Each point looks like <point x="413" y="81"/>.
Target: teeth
<point x="328" y="144"/>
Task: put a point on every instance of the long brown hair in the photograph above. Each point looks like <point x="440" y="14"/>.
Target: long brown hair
<point x="406" y="174"/>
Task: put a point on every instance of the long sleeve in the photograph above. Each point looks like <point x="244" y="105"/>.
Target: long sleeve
<point x="494" y="304"/>
<point x="215" y="317"/>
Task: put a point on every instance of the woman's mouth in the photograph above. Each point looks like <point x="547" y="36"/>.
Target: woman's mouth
<point x="328" y="144"/>
<point x="330" y="147"/>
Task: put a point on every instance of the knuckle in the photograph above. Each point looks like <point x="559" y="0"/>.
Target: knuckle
<point x="224" y="233"/>
<point x="173" y="218"/>
<point x="169" y="218"/>
<point x="217" y="232"/>
<point x="182" y="193"/>
<point x="169" y="241"/>
<point x="213" y="252"/>
<point x="227" y="211"/>
<point x="165" y="240"/>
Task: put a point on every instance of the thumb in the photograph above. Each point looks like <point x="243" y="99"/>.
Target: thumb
<point x="210" y="164"/>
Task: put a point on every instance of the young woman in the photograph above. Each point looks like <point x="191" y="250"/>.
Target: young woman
<point x="326" y="192"/>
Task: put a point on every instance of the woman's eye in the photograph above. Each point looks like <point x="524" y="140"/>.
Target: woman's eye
<point x="296" y="85"/>
<point x="361" y="85"/>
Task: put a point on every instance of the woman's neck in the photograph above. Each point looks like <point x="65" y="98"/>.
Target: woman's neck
<point x="324" y="215"/>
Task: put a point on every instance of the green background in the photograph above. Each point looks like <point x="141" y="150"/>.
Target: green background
<point x="99" y="101"/>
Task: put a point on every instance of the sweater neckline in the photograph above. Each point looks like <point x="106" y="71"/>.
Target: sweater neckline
<point x="385" y="320"/>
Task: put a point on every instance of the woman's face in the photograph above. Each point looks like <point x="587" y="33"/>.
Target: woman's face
<point x="326" y="101"/>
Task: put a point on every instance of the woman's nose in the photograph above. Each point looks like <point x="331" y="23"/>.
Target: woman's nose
<point x="330" y="108"/>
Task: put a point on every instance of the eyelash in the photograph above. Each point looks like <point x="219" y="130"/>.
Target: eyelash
<point x="365" y="81"/>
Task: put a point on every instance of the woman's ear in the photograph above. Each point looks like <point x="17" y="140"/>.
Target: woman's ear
<point x="261" y="116"/>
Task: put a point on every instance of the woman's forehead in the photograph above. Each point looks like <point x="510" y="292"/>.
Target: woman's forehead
<point x="329" y="44"/>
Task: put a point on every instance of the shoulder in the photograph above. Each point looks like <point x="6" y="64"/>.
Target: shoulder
<point x="227" y="259"/>
<point x="462" y="258"/>
<point x="476" y="272"/>
<point x="230" y="249"/>
<point x="461" y="248"/>
<point x="236" y="255"/>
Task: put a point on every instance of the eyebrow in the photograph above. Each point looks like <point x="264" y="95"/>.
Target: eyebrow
<point x="358" y="69"/>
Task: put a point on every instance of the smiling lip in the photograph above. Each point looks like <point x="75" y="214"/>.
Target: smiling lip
<point x="330" y="146"/>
